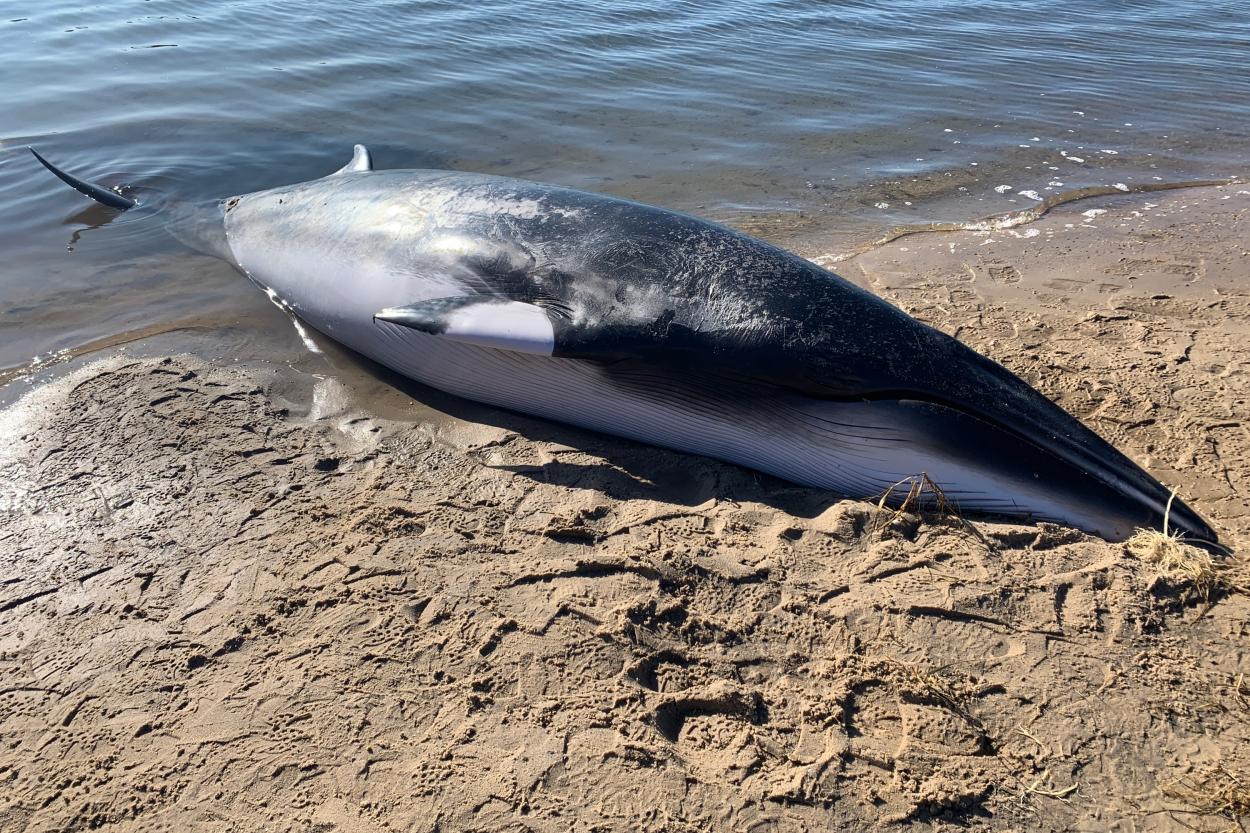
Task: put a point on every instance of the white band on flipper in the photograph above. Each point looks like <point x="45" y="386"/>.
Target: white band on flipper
<point x="511" y="325"/>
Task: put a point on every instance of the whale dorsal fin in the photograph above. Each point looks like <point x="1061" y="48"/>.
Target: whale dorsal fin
<point x="361" y="161"/>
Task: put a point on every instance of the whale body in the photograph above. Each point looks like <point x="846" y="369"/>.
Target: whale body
<point x="661" y="327"/>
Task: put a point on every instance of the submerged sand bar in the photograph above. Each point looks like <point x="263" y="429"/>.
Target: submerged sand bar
<point x="215" y="613"/>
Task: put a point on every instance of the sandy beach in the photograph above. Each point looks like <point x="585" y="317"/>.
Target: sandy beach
<point x="233" y="601"/>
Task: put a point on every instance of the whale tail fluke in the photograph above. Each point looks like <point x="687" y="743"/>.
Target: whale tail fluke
<point x="198" y="225"/>
<point x="104" y="196"/>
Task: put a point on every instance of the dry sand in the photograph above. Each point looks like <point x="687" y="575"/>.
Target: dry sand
<point x="222" y="607"/>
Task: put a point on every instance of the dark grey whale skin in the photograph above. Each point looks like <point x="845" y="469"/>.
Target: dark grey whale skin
<point x="632" y="288"/>
<point x="796" y="326"/>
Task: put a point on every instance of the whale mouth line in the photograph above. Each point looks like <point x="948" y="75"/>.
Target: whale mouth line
<point x="1107" y="471"/>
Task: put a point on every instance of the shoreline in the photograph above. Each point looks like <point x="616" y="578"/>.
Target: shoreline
<point x="228" y="599"/>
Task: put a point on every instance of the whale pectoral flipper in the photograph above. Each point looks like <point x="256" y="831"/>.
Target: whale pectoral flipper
<point x="484" y="320"/>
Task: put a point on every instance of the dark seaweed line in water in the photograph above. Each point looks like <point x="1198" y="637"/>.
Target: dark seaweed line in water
<point x="1012" y="219"/>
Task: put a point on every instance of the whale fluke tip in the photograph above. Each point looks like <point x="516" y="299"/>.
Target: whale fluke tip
<point x="104" y="196"/>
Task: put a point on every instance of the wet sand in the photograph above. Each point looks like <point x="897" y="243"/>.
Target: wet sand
<point x="230" y="600"/>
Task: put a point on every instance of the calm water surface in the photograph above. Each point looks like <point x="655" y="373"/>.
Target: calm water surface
<point x="830" y="119"/>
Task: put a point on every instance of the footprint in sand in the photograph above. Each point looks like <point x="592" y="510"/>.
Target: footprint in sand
<point x="1003" y="273"/>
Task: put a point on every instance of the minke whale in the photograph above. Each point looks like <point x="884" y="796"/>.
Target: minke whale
<point x="664" y="328"/>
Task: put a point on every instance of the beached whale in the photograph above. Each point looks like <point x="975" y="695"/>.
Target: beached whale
<point x="664" y="328"/>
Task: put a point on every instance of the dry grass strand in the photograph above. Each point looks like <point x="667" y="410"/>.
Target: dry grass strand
<point x="1213" y="792"/>
<point x="1175" y="558"/>
<point x="939" y="505"/>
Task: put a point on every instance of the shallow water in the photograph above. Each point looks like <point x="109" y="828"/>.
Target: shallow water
<point x="832" y="121"/>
